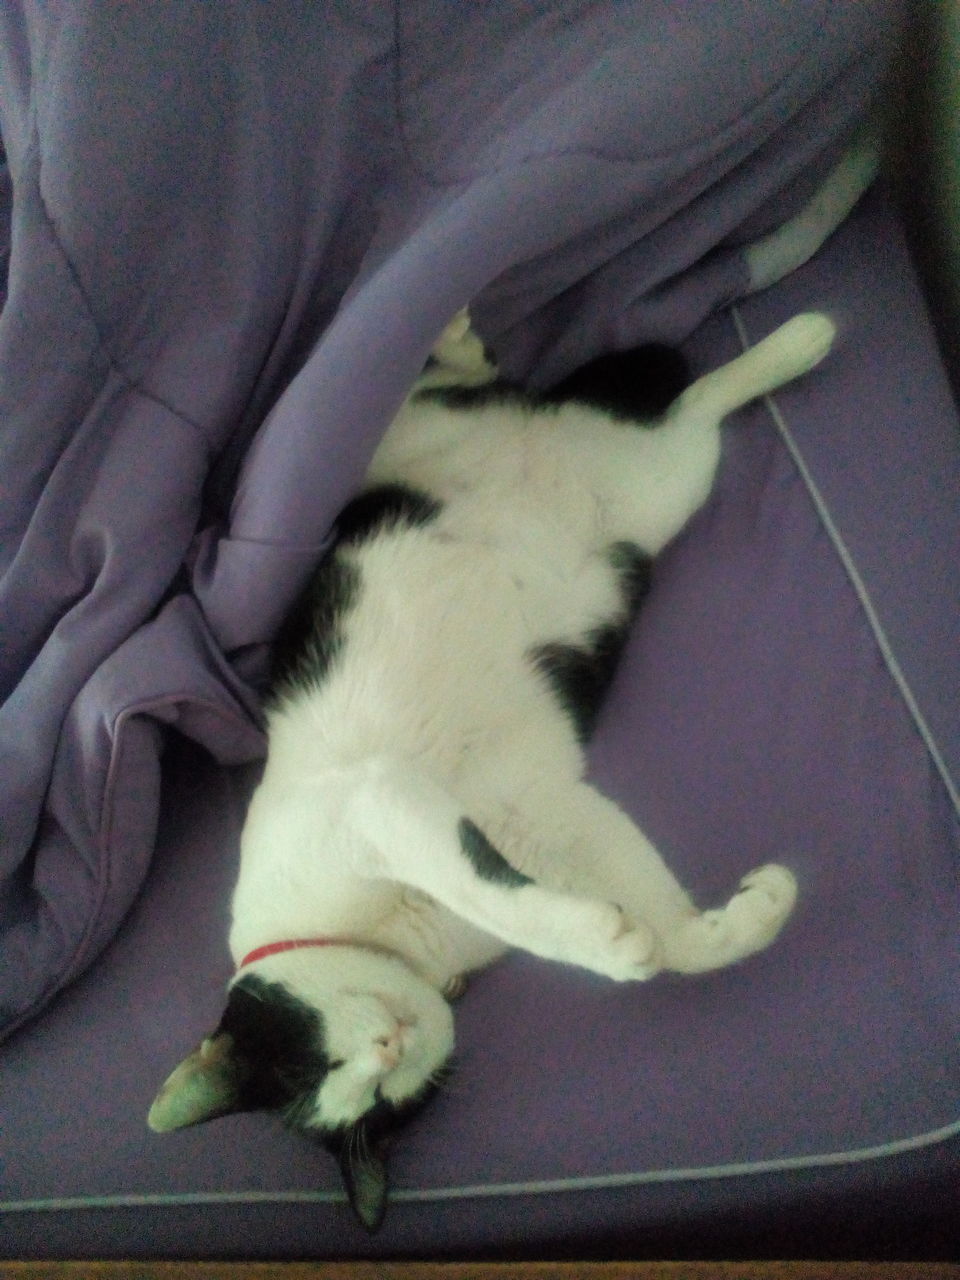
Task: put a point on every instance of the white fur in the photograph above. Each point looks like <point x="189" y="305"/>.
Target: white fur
<point x="433" y="712"/>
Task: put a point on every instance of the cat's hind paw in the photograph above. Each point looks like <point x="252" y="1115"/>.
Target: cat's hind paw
<point x="811" y="335"/>
<point x="749" y="922"/>
<point x="757" y="911"/>
<point x="769" y="893"/>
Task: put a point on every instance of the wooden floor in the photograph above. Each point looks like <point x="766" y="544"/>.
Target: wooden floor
<point x="479" y="1271"/>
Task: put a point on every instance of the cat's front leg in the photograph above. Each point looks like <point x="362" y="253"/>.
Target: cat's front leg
<point x="414" y="832"/>
<point x="591" y="934"/>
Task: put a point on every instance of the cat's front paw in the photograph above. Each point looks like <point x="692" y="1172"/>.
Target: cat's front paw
<point x="614" y="946"/>
<point x="458" y="348"/>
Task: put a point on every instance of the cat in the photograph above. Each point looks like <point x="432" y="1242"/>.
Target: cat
<point x="423" y="805"/>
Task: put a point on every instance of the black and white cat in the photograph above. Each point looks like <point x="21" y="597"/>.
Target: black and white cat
<point x="423" y="805"/>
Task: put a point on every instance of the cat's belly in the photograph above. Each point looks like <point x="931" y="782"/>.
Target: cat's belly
<point x="464" y="592"/>
<point x="437" y="659"/>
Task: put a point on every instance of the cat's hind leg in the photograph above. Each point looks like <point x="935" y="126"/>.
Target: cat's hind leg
<point x="791" y="350"/>
<point x="414" y="832"/>
<point x="648" y="483"/>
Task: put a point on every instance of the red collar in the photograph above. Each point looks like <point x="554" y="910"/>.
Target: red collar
<point x="294" y="944"/>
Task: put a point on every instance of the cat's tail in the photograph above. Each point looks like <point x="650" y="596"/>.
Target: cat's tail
<point x="749" y="922"/>
<point x="774" y="256"/>
<point x="792" y="350"/>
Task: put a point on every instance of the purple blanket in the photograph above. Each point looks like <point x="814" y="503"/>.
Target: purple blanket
<point x="233" y="233"/>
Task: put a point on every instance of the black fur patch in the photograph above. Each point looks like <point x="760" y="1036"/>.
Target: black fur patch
<point x="361" y="1150"/>
<point x="311" y="636"/>
<point x="277" y="1045"/>
<point x="634" y="568"/>
<point x="457" y="396"/>
<point x="635" y="386"/>
<point x="488" y="862"/>
<point x="393" y="505"/>
<point x="580" y="674"/>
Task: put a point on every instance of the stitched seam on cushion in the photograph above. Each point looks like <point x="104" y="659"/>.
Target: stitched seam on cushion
<point x="856" y="581"/>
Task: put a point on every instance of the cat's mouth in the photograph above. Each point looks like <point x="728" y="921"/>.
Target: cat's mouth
<point x="394" y="1043"/>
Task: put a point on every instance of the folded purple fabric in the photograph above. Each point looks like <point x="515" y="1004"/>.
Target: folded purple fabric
<point x="234" y="232"/>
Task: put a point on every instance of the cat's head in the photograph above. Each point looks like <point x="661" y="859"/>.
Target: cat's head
<point x="343" y="1044"/>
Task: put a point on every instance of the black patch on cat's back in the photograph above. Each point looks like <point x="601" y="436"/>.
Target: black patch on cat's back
<point x="392" y="506"/>
<point x="635" y="386"/>
<point x="311" y="635"/>
<point x="277" y="1044"/>
<point x="479" y="396"/>
<point x="581" y="674"/>
<point x="487" y="861"/>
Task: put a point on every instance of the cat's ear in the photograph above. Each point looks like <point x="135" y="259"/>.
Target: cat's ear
<point x="363" y="1168"/>
<point x="205" y="1085"/>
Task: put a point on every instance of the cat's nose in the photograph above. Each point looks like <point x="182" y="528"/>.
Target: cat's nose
<point x="389" y="1049"/>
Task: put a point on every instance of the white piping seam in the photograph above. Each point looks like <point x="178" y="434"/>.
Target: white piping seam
<point x="856" y="581"/>
<point x="598" y="1182"/>
<point x="601" y="1182"/>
